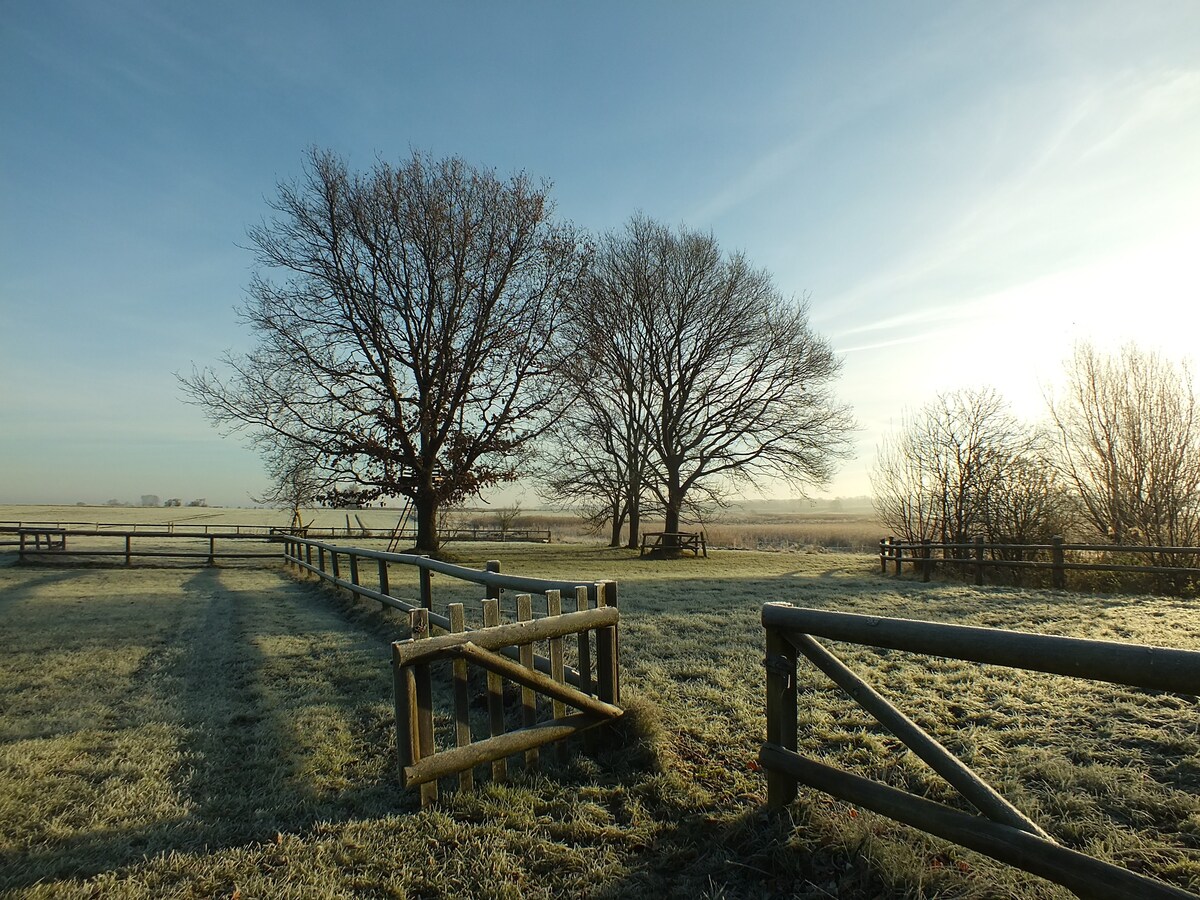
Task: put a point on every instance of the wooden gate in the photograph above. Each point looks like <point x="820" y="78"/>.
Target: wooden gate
<point x="1003" y="832"/>
<point x="422" y="763"/>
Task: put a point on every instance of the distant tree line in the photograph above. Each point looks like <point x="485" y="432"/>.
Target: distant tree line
<point x="429" y="330"/>
<point x="1117" y="460"/>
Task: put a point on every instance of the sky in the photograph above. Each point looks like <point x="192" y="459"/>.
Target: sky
<point x="962" y="191"/>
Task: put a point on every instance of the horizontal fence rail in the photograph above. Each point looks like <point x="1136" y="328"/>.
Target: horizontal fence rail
<point x="42" y="542"/>
<point x="1057" y="557"/>
<point x="350" y="568"/>
<point x="1004" y="833"/>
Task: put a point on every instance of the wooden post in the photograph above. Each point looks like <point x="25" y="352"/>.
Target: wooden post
<point x="128" y="550"/>
<point x="426" y="587"/>
<point x="898" y="554"/>
<point x="419" y="622"/>
<point x="354" y="572"/>
<point x="493" y="565"/>
<point x="333" y="559"/>
<point x="582" y="598"/>
<point x="608" y="687"/>
<point x="384" y="587"/>
<point x="308" y="553"/>
<point x="211" y="553"/>
<point x="781" y="713"/>
<point x="462" y="698"/>
<point x="979" y="560"/>
<point x="557" y="666"/>
<point x="495" y="692"/>
<point x="884" y="552"/>
<point x="926" y="560"/>
<point x="1058" y="577"/>
<point x="321" y="559"/>
<point x="528" y="696"/>
<point x="21" y="552"/>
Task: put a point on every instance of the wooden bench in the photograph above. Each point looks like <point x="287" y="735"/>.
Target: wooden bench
<point x="657" y="541"/>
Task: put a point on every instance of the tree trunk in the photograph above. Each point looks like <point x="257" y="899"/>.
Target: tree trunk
<point x="635" y="524"/>
<point x="426" y="507"/>
<point x="670" y="544"/>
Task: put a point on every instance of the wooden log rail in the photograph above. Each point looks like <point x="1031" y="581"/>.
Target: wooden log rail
<point x="421" y="764"/>
<point x="327" y="561"/>
<point x="979" y="555"/>
<point x="1003" y="833"/>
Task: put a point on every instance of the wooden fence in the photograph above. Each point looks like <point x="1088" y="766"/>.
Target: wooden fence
<point x="45" y="542"/>
<point x="1056" y="558"/>
<point x="505" y="651"/>
<point x="1003" y="832"/>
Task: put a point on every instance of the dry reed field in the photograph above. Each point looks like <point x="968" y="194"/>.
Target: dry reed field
<point x="227" y="732"/>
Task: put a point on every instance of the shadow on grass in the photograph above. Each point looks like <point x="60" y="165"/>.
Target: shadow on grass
<point x="253" y="762"/>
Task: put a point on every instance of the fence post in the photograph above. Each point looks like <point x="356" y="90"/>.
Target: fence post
<point x="1058" y="577"/>
<point x="927" y="559"/>
<point x="781" y="713"/>
<point x="884" y="552"/>
<point x="308" y="553"/>
<point x="211" y="553"/>
<point x="333" y="560"/>
<point x="354" y="573"/>
<point x="898" y="554"/>
<point x="979" y="560"/>
<point x="128" y="550"/>
<point x="384" y="587"/>
<point x="493" y="593"/>
<point x="21" y="552"/>
<point x="321" y="559"/>
<point x="426" y="587"/>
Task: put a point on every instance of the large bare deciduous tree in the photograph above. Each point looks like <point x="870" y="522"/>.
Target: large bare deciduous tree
<point x="402" y="317"/>
<point x="1128" y="429"/>
<point x="711" y="376"/>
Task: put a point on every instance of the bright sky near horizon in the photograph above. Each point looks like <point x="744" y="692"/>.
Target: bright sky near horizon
<point x="962" y="190"/>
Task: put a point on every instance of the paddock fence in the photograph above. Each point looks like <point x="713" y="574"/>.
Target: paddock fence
<point x="43" y="542"/>
<point x="1056" y="558"/>
<point x="578" y="669"/>
<point x="1002" y="832"/>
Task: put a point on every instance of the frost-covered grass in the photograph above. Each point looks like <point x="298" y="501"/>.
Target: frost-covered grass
<point x="174" y="732"/>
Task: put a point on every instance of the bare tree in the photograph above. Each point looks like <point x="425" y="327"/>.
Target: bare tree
<point x="404" y="346"/>
<point x="715" y="378"/>
<point x="604" y="361"/>
<point x="1128" y="435"/>
<point x="962" y="466"/>
<point x="297" y="480"/>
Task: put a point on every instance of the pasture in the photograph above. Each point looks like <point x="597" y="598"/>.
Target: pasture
<point x="227" y="731"/>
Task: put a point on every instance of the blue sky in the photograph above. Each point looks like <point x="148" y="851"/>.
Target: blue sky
<point x="962" y="190"/>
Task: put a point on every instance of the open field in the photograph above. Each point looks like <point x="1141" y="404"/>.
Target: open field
<point x="734" y="529"/>
<point x="227" y="731"/>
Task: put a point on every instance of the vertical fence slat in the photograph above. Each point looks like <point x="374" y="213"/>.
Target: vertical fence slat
<point x="582" y="596"/>
<point x="462" y="698"/>
<point x="354" y="571"/>
<point x="528" y="695"/>
<point x="607" y="684"/>
<point x="979" y="560"/>
<point x="557" y="665"/>
<point x="419" y="622"/>
<point x="495" y="691"/>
